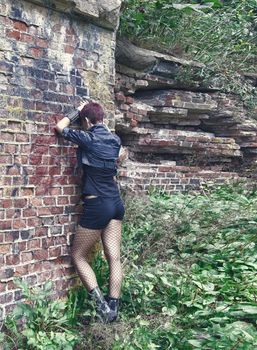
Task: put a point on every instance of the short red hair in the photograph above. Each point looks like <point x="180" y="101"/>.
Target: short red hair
<point x="93" y="111"/>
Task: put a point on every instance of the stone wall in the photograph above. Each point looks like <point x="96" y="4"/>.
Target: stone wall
<point x="49" y="59"/>
<point x="179" y="137"/>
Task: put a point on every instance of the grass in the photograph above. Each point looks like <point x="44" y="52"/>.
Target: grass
<point x="190" y="281"/>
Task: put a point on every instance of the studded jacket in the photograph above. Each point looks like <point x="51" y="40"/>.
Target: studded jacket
<point x="98" y="147"/>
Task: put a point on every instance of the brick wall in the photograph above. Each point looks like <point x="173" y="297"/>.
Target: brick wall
<point x="178" y="140"/>
<point x="169" y="177"/>
<point x="48" y="60"/>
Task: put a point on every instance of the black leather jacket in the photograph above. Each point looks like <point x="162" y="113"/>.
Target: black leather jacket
<point x="98" y="147"/>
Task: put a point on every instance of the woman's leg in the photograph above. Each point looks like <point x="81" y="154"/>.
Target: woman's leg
<point x="111" y="238"/>
<point x="83" y="243"/>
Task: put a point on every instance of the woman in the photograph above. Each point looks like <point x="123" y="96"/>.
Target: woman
<point x="103" y="209"/>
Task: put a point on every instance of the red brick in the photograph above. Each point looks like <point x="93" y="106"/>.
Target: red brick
<point x="36" y="52"/>
<point x="44" y="276"/>
<point x="26" y="256"/>
<point x="13" y="259"/>
<point x="57" y="210"/>
<point x="6" y="136"/>
<point x="41" y="42"/>
<point x="10" y="213"/>
<point x="6" y="225"/>
<point x="33" y="222"/>
<point x="63" y="219"/>
<point x="129" y="100"/>
<point x="22" y="137"/>
<point x="5" y="159"/>
<point x="69" y="49"/>
<point x="63" y="200"/>
<point x="21" y="26"/>
<point x="33" y="244"/>
<point x="44" y="211"/>
<point x="133" y="123"/>
<point x="18" y="224"/>
<point x="42" y="170"/>
<point x="2" y="216"/>
<point x="27" y="38"/>
<point x="40" y="254"/>
<point x="11" y="285"/>
<point x="41" y="191"/>
<point x="6" y="298"/>
<point x="9" y="148"/>
<point x="68" y="190"/>
<point x="41" y="231"/>
<point x="26" y="192"/>
<point x="42" y="180"/>
<point x="49" y="201"/>
<point x="36" y="267"/>
<point x="13" y="170"/>
<point x="55" y="171"/>
<point x="5" y="248"/>
<point x="62" y="180"/>
<point x="25" y="149"/>
<point x="7" y="181"/>
<point x="44" y="140"/>
<point x="29" y="212"/>
<point x="54" y="252"/>
<point x="46" y="265"/>
<point x="40" y="150"/>
<point x="36" y="202"/>
<point x="20" y="202"/>
<point x="14" y="34"/>
<point x="120" y="97"/>
<point x="21" y="270"/>
<point x="3" y="287"/>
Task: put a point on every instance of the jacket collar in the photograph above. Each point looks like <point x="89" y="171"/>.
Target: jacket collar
<point x="97" y="127"/>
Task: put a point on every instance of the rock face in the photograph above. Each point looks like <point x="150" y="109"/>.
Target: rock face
<point x="177" y="138"/>
<point x="104" y="13"/>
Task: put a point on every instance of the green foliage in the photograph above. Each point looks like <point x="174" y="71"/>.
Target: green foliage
<point x="189" y="263"/>
<point x="45" y="322"/>
<point x="191" y="282"/>
<point x="220" y="34"/>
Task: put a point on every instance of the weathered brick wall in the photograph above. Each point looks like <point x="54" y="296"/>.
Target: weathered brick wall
<point x="179" y="139"/>
<point x="48" y="60"/>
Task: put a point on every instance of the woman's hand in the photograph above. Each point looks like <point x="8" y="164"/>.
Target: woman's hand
<point x="79" y="108"/>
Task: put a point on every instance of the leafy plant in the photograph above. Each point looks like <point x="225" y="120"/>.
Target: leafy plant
<point x="195" y="286"/>
<point x="189" y="263"/>
<point x="39" y="323"/>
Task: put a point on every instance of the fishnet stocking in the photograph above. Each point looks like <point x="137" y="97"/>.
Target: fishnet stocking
<point x="111" y="238"/>
<point x="83" y="243"/>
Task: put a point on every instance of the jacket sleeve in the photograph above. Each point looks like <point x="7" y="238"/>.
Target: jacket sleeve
<point x="79" y="137"/>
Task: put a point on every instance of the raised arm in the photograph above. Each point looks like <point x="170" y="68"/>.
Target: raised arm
<point x="63" y="123"/>
<point x="69" y="118"/>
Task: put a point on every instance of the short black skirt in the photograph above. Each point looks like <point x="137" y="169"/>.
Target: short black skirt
<point x="99" y="211"/>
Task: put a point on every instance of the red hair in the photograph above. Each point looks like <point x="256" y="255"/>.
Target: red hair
<point x="93" y="111"/>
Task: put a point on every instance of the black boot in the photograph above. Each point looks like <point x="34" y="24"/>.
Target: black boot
<point x="114" y="306"/>
<point x="103" y="310"/>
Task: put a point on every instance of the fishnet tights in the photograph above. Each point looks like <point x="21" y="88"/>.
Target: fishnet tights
<point x="83" y="243"/>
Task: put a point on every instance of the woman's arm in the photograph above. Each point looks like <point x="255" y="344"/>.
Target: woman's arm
<point x="67" y="120"/>
<point x="63" y="123"/>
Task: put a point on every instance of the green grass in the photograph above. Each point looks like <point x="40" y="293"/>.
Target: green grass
<point x="190" y="281"/>
<point x="220" y="34"/>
